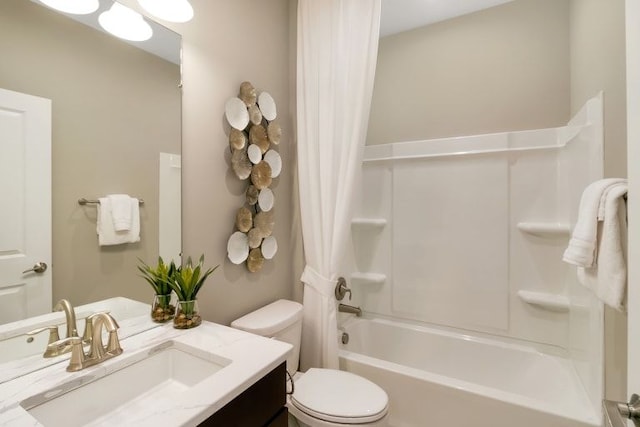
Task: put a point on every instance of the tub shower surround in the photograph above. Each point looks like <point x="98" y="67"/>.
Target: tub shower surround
<point x="467" y="234"/>
<point x="252" y="139"/>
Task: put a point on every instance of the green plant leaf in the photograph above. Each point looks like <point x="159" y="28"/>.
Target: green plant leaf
<point x="187" y="280"/>
<point x="157" y="277"/>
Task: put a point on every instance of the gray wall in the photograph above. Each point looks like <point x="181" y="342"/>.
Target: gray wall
<point x="114" y="109"/>
<point x="504" y="68"/>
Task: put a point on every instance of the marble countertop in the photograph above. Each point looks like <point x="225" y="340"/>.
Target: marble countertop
<point x="251" y="358"/>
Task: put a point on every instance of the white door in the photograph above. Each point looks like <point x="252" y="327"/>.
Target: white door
<point x="25" y="205"/>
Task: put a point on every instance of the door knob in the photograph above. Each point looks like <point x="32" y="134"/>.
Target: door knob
<point x="39" y="267"/>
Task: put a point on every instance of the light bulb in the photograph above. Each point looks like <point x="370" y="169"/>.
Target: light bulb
<point x="169" y="10"/>
<point x="76" y="7"/>
<point x="125" y="23"/>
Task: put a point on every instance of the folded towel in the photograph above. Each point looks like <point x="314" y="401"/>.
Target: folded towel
<point x="107" y="234"/>
<point x="582" y="246"/>
<point x="121" y="211"/>
<point x="608" y="276"/>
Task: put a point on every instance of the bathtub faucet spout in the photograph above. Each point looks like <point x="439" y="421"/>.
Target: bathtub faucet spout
<point x="344" y="308"/>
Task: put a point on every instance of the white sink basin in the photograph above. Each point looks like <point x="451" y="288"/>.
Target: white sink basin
<point x="153" y="382"/>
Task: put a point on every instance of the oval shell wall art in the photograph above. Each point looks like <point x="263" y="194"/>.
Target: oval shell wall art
<point x="236" y="113"/>
<point x="253" y="138"/>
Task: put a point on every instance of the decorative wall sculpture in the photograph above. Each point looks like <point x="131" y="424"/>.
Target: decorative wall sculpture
<point x="253" y="137"/>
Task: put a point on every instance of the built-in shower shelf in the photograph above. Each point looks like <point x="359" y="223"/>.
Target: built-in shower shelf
<point x="551" y="302"/>
<point x="375" y="223"/>
<point x="550" y="229"/>
<point x="371" y="278"/>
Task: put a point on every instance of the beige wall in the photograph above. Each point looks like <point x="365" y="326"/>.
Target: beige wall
<point x="226" y="43"/>
<point x="598" y="63"/>
<point x="114" y="109"/>
<point x="505" y="68"/>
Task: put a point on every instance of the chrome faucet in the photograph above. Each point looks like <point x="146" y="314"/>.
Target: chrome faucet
<point x="344" y="308"/>
<point x="98" y="352"/>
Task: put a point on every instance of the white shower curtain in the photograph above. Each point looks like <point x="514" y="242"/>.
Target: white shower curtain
<point x="337" y="50"/>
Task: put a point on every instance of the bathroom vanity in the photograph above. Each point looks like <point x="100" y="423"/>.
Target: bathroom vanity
<point x="262" y="404"/>
<point x="211" y="375"/>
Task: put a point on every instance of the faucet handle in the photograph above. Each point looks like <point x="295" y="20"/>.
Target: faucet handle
<point x="53" y="333"/>
<point x="76" y="362"/>
<point x="113" y="345"/>
<point x="342" y="289"/>
<point x="73" y="344"/>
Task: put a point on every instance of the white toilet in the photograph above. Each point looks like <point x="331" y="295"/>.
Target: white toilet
<point x="321" y="397"/>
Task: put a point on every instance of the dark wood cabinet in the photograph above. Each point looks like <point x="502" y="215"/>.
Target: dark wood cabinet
<point x="281" y="419"/>
<point x="261" y="405"/>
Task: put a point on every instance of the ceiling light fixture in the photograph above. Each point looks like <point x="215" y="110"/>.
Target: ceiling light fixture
<point x="169" y="10"/>
<point x="75" y="7"/>
<point x="125" y="23"/>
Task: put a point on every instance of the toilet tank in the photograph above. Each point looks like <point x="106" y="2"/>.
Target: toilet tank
<point x="281" y="320"/>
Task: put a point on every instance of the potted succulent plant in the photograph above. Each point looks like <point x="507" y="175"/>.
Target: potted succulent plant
<point x="159" y="277"/>
<point x="186" y="281"/>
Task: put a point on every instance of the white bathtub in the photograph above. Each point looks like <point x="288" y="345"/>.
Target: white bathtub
<point x="439" y="378"/>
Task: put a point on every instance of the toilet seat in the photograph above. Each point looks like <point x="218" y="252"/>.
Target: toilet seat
<point x="339" y="397"/>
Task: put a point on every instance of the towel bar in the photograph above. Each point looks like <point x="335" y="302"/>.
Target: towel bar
<point x="84" y="201"/>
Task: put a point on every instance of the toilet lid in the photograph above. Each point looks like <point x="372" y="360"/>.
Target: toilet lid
<point x="339" y="396"/>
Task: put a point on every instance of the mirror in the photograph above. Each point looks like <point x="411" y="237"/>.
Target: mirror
<point x="116" y="128"/>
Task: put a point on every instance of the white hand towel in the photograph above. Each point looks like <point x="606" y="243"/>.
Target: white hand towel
<point x="583" y="241"/>
<point x="107" y="235"/>
<point x="608" y="277"/>
<point x="121" y="211"/>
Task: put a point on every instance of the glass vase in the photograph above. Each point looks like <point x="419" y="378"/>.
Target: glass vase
<point x="187" y="315"/>
<point x="162" y="309"/>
